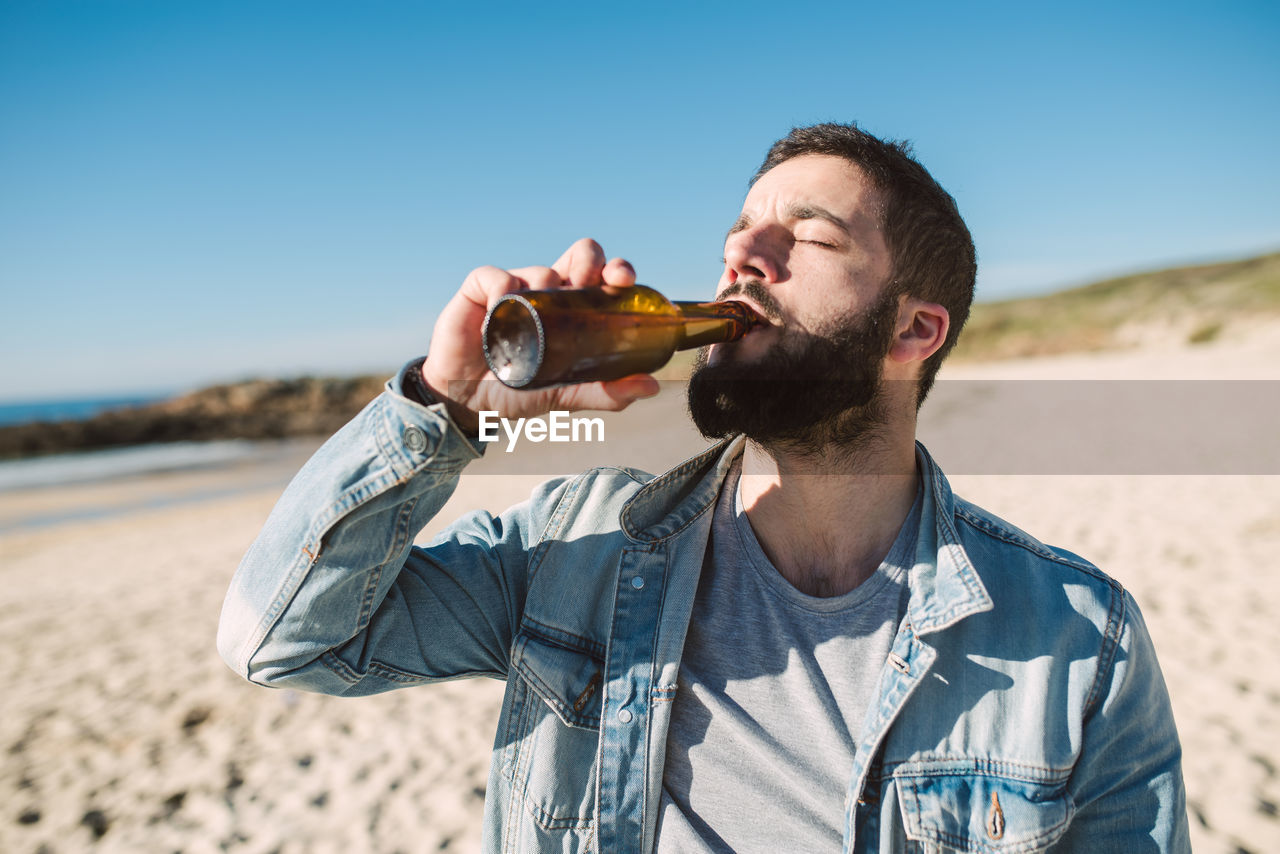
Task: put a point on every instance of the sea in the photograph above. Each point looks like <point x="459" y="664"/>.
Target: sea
<point x="69" y="409"/>
<point x="113" y="463"/>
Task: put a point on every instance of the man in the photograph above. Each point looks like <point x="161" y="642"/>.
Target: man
<point x="799" y="640"/>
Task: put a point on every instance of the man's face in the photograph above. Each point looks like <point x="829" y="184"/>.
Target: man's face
<point x="808" y="252"/>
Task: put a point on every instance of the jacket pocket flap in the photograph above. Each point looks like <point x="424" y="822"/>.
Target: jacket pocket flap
<point x="568" y="680"/>
<point x="984" y="813"/>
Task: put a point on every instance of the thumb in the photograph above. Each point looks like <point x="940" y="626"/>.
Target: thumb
<point x="612" y="395"/>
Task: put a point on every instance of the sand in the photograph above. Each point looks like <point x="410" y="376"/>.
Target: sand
<point x="123" y="731"/>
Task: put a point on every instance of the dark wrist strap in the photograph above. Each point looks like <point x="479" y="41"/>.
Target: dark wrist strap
<point x="413" y="386"/>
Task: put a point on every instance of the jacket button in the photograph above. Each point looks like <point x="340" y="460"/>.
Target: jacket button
<point x="637" y="582"/>
<point x="624" y="716"/>
<point x="414" y="439"/>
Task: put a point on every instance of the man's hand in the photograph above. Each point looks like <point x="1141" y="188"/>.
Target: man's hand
<point x="455" y="369"/>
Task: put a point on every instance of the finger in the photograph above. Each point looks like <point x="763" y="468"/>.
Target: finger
<point x="484" y="285"/>
<point x="538" y="278"/>
<point x="613" y="395"/>
<point x="634" y="387"/>
<point x="619" y="272"/>
<point x="581" y="264"/>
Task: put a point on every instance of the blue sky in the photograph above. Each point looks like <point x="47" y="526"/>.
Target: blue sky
<point x="194" y="191"/>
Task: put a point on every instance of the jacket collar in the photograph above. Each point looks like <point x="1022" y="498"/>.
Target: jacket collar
<point x="667" y="504"/>
<point x="945" y="585"/>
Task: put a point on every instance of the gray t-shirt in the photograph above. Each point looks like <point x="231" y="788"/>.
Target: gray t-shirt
<point x="773" y="688"/>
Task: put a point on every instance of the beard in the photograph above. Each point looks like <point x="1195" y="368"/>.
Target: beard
<point x="811" y="391"/>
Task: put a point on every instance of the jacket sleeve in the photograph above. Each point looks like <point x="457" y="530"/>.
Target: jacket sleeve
<point x="1127" y="784"/>
<point x="333" y="597"/>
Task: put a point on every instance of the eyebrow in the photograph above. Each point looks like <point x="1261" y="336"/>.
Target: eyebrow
<point x="815" y="212"/>
<point x="795" y="211"/>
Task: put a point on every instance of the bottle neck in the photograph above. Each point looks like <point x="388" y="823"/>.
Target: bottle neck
<point x="714" y="322"/>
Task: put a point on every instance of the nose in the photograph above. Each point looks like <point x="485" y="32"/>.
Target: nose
<point x="755" y="252"/>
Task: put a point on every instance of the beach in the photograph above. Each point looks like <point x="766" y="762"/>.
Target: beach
<point x="123" y="731"/>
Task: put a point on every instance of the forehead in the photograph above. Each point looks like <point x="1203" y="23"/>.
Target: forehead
<point x="825" y="180"/>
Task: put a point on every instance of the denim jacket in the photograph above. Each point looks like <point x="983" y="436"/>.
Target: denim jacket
<point x="1020" y="709"/>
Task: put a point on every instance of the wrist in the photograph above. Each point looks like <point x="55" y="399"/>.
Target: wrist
<point x="413" y="385"/>
<point x="437" y="391"/>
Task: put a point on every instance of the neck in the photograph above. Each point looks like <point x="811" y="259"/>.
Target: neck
<point x="826" y="517"/>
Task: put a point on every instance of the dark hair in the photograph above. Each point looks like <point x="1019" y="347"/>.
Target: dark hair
<point x="930" y="249"/>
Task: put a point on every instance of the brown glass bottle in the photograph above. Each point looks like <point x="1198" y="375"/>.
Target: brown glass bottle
<point x="534" y="339"/>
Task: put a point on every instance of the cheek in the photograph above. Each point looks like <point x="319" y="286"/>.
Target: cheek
<point x="842" y="291"/>
<point x="814" y="315"/>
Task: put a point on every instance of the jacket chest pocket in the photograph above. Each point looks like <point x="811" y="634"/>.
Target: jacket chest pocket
<point x="982" y="813"/>
<point x="552" y="740"/>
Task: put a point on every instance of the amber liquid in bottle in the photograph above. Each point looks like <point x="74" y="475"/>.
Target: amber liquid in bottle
<point x="534" y="339"/>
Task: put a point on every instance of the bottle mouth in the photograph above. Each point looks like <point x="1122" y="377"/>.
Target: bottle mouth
<point x="755" y="313"/>
<point x="514" y="342"/>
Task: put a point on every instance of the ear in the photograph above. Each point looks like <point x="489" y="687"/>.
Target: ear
<point x="921" y="330"/>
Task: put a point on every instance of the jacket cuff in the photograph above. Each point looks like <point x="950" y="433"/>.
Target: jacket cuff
<point x="409" y="390"/>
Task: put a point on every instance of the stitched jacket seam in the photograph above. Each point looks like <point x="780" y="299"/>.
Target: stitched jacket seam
<point x="985" y="526"/>
<point x="549" y="633"/>
<point x="961" y="766"/>
<point x="1107" y="653"/>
